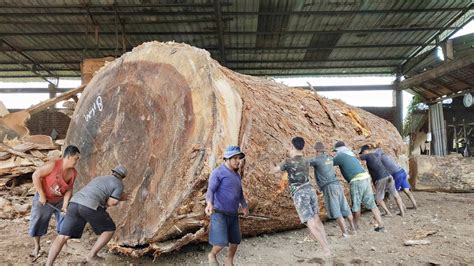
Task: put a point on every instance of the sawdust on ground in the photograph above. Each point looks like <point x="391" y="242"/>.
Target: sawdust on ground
<point x="447" y="218"/>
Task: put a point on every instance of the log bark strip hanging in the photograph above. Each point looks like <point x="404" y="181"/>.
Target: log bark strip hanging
<point x="167" y="111"/>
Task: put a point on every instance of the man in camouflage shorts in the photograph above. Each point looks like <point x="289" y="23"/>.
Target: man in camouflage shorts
<point x="304" y="197"/>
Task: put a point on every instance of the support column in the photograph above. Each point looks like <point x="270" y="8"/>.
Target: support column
<point x="398" y="103"/>
<point x="52" y="90"/>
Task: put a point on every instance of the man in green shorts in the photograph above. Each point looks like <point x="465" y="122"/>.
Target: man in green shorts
<point x="359" y="181"/>
<point x="334" y="199"/>
<point x="304" y="197"/>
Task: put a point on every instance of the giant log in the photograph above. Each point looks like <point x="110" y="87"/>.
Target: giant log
<point x="442" y="173"/>
<point x="167" y="111"/>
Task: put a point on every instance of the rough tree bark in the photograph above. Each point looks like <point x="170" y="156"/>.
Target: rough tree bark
<point x="167" y="111"/>
<point x="442" y="173"/>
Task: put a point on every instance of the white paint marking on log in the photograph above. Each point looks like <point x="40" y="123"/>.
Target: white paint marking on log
<point x="98" y="105"/>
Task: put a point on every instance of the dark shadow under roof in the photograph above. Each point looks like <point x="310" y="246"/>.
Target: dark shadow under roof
<point x="274" y="38"/>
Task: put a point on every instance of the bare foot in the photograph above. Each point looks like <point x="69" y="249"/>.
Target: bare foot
<point x="35" y="252"/>
<point x="327" y="253"/>
<point x="229" y="262"/>
<point x="95" y="259"/>
<point x="212" y="259"/>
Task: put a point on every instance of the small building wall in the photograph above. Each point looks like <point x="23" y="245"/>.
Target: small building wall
<point x="44" y="122"/>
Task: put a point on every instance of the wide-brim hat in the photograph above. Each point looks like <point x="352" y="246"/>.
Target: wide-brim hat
<point x="232" y="151"/>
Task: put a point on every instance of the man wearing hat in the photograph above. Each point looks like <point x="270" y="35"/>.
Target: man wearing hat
<point x="334" y="199"/>
<point x="89" y="205"/>
<point x="358" y="179"/>
<point x="382" y="179"/>
<point x="224" y="197"/>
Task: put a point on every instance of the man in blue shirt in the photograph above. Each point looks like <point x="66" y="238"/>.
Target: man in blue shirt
<point x="224" y="195"/>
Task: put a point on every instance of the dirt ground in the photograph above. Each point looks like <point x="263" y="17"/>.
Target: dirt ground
<point x="447" y="217"/>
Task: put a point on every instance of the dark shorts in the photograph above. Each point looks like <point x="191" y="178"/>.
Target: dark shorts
<point x="335" y="201"/>
<point x="40" y="216"/>
<point x="78" y="215"/>
<point x="401" y="180"/>
<point x="224" y="229"/>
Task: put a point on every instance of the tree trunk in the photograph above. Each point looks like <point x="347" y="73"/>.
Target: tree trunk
<point x="442" y="173"/>
<point x="167" y="111"/>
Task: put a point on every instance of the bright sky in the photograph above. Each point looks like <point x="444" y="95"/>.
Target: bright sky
<point x="362" y="98"/>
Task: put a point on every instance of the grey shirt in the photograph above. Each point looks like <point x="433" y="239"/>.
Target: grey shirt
<point x="323" y="170"/>
<point x="388" y="162"/>
<point x="96" y="193"/>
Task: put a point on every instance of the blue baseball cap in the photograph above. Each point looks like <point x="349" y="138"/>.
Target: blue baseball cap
<point x="232" y="151"/>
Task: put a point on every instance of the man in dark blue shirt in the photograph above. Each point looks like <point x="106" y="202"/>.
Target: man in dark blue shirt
<point x="382" y="179"/>
<point x="224" y="195"/>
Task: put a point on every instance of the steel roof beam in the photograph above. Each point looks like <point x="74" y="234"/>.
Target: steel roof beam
<point x="320" y="88"/>
<point x="274" y="73"/>
<point x="239" y="67"/>
<point x="128" y="22"/>
<point x="30" y="61"/>
<point x="306" y="67"/>
<point x="336" y="73"/>
<point x="93" y="6"/>
<point x="80" y="33"/>
<point x="233" y="13"/>
<point x="319" y="60"/>
<point x="245" y="61"/>
<point x="432" y="39"/>
<point x="353" y="88"/>
<point x="368" y="46"/>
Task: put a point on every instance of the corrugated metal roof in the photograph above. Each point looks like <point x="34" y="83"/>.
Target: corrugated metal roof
<point x="259" y="37"/>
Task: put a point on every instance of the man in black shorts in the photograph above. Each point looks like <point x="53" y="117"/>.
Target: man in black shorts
<point x="89" y="205"/>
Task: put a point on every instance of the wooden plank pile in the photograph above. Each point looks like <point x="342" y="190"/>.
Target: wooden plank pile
<point x="19" y="157"/>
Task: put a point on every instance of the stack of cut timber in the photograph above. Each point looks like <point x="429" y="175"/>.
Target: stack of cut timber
<point x="167" y="111"/>
<point x="22" y="156"/>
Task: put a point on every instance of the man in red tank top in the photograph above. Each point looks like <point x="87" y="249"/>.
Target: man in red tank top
<point x="53" y="183"/>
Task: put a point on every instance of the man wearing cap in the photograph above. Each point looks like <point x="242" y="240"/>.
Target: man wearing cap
<point x="382" y="179"/>
<point x="89" y="205"/>
<point x="334" y="199"/>
<point x="224" y="196"/>
<point x="358" y="179"/>
<point x="398" y="173"/>
<point x="303" y="195"/>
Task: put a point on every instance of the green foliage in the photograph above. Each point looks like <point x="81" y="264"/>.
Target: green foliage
<point x="409" y="119"/>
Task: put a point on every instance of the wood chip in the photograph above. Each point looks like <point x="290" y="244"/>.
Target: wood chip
<point x="416" y="242"/>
